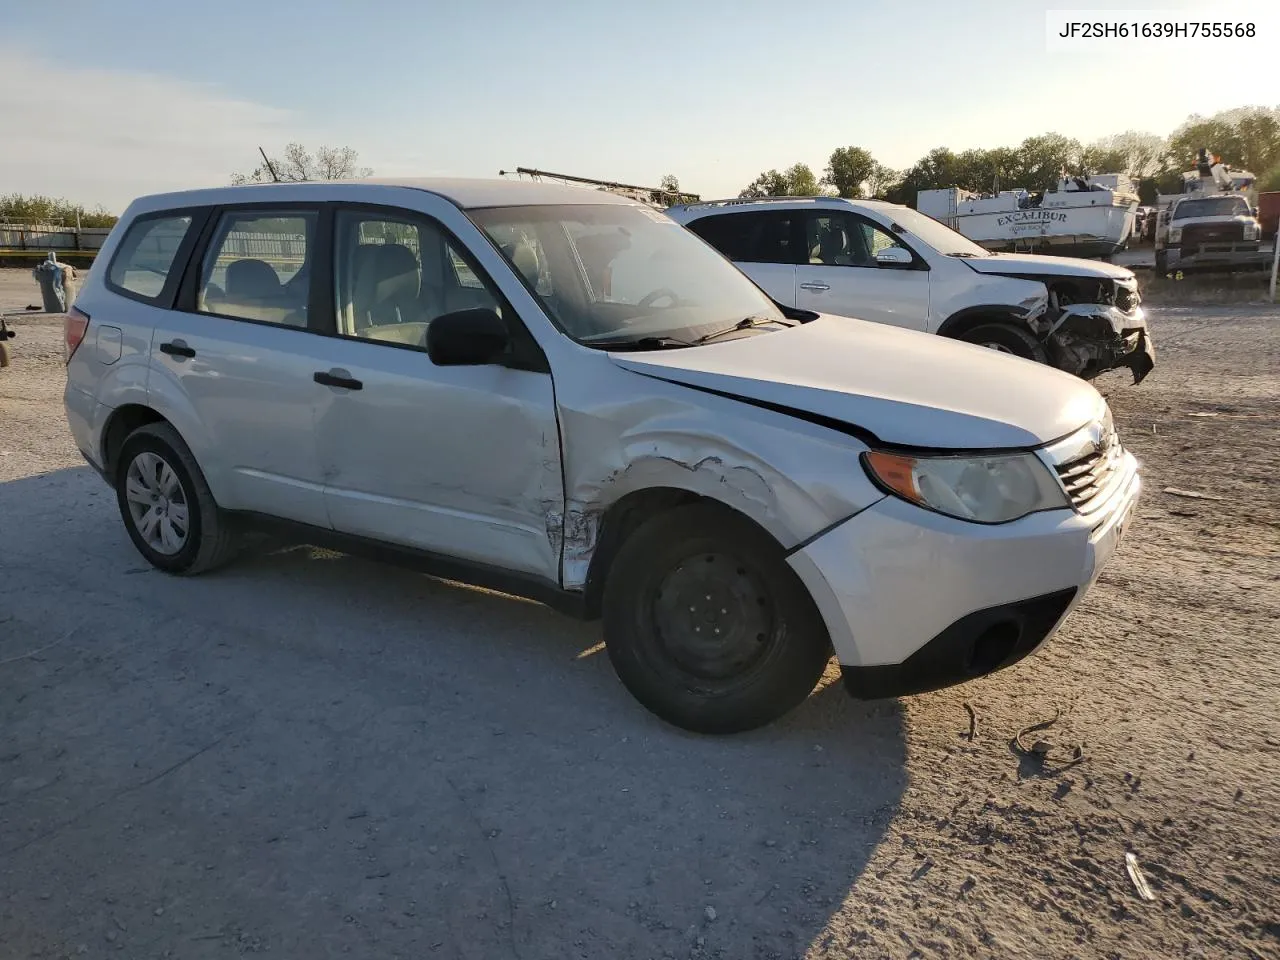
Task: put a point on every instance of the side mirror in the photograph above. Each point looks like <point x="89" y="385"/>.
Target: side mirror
<point x="467" y="338"/>
<point x="894" y="257"/>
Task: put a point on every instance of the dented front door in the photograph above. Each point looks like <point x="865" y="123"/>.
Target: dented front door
<point x="460" y="461"/>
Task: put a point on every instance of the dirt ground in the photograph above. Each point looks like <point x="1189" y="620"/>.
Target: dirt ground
<point x="310" y="756"/>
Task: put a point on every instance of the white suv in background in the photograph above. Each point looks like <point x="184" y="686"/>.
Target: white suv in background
<point x="562" y="394"/>
<point x="891" y="264"/>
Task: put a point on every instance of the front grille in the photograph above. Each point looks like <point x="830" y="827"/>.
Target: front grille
<point x="1089" y="476"/>
<point x="1197" y="234"/>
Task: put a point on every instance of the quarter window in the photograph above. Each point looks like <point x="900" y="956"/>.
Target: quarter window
<point x="257" y="267"/>
<point x="146" y="255"/>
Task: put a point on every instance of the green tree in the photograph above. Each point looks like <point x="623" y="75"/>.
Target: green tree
<point x="848" y="169"/>
<point x="1270" y="180"/>
<point x="668" y="191"/>
<point x="881" y="180"/>
<point x="771" y="183"/>
<point x="936" y="169"/>
<point x="1133" y="153"/>
<point x="298" y="164"/>
<point x="1245" y="137"/>
<point x="17" y="208"/>
<point x="984" y="170"/>
<point x="801" y="181"/>
<point x="1099" y="159"/>
<point x="1042" y="159"/>
<point x="796" y="181"/>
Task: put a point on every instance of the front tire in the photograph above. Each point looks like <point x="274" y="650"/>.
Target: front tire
<point x="706" y="624"/>
<point x="1007" y="338"/>
<point x="166" y="504"/>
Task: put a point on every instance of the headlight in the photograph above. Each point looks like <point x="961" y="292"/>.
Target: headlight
<point x="1175" y="234"/>
<point x="1251" y="231"/>
<point x="983" y="489"/>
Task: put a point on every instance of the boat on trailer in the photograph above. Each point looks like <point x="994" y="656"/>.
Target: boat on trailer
<point x="1080" y="217"/>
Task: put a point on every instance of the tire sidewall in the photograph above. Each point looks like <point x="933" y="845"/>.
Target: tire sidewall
<point x="1018" y="344"/>
<point x="766" y="689"/>
<point x="145" y="441"/>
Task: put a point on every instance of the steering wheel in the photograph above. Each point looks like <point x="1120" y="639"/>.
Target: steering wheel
<point x="662" y="293"/>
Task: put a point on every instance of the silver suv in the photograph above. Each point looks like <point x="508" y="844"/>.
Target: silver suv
<point x="564" y="395"/>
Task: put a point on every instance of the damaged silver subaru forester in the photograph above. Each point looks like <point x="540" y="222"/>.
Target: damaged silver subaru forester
<point x="563" y="394"/>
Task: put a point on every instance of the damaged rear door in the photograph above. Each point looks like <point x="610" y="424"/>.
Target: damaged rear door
<point x="460" y="461"/>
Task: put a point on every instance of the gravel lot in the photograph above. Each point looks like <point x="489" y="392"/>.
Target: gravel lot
<point x="311" y="756"/>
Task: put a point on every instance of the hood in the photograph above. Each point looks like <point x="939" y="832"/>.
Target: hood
<point x="895" y="387"/>
<point x="1026" y="264"/>
<point x="1207" y="221"/>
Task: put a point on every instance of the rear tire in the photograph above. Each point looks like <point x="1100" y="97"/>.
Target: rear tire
<point x="706" y="624"/>
<point x="166" y="504"/>
<point x="1007" y="338"/>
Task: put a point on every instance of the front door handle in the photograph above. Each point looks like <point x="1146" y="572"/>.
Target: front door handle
<point x="815" y="286"/>
<point x="337" y="378"/>
<point x="177" y="348"/>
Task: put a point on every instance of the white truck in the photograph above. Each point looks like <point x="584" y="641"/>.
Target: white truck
<point x="1211" y="225"/>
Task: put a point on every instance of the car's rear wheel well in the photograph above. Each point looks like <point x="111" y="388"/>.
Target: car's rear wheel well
<point x="622" y="519"/>
<point x="123" y="422"/>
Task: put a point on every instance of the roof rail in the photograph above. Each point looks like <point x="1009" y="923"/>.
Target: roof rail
<point x="737" y="200"/>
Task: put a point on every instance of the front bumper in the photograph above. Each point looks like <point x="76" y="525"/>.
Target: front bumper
<point x="1210" y="256"/>
<point x="914" y="601"/>
<point x="1089" y="338"/>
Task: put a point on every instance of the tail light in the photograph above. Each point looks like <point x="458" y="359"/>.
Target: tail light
<point x="73" y="330"/>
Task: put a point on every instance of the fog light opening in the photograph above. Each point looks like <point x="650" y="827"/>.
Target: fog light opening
<point x="994" y="646"/>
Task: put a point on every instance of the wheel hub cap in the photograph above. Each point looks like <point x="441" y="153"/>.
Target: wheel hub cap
<point x="157" y="503"/>
<point x="713" y="616"/>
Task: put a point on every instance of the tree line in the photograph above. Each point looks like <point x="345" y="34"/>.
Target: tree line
<point x="15" y="208"/>
<point x="1245" y="137"/>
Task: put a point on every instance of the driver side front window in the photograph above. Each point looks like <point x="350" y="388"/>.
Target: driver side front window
<point x="394" y="275"/>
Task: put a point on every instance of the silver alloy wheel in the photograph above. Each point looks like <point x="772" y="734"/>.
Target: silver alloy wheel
<point x="998" y="347"/>
<point x="157" y="503"/>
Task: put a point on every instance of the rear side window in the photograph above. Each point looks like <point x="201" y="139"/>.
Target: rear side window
<point x="146" y="256"/>
<point x="257" y="267"/>
<point x="766" y="237"/>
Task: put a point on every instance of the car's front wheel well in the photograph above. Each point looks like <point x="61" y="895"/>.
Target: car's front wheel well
<point x="623" y="518"/>
<point x="959" y="324"/>
<point x="123" y="422"/>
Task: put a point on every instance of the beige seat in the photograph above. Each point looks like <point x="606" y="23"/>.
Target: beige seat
<point x="387" y="285"/>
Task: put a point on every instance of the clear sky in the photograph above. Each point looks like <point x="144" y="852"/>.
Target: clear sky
<point x="102" y="100"/>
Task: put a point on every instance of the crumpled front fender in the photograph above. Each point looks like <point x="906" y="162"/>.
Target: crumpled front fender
<point x="1090" y="338"/>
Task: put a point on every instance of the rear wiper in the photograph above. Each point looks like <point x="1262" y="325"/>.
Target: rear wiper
<point x="745" y="323"/>
<point x="642" y="343"/>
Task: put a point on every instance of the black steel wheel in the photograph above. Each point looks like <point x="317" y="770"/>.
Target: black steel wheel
<point x="707" y="625"/>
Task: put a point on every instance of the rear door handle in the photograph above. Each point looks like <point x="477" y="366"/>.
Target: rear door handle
<point x="815" y="286"/>
<point x="337" y="378"/>
<point x="177" y="348"/>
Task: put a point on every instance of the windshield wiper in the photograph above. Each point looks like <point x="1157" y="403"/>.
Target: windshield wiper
<point x="640" y="343"/>
<point x="746" y="323"/>
<point x="965" y="255"/>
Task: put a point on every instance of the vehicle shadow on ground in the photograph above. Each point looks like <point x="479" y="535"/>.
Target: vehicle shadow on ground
<point x="317" y="754"/>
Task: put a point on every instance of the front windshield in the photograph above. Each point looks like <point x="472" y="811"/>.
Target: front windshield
<point x="937" y="235"/>
<point x="1211" y="207"/>
<point x="616" y="273"/>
